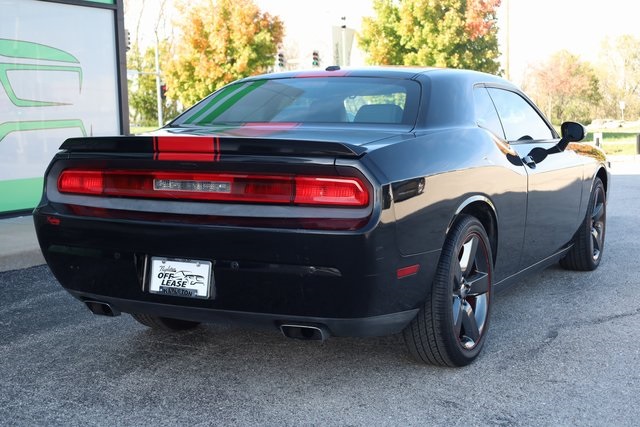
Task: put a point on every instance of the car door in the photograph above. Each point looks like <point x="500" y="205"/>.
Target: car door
<point x="509" y="192"/>
<point x="554" y="184"/>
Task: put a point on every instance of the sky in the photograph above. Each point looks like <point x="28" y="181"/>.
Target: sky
<point x="537" y="28"/>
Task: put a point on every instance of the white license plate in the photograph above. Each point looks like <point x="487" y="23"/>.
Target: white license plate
<point x="181" y="278"/>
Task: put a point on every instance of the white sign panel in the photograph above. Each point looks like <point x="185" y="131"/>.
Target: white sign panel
<point x="58" y="79"/>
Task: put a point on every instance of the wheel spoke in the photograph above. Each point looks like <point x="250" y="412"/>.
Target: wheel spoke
<point x="598" y="211"/>
<point x="481" y="311"/>
<point x="469" y="322"/>
<point x="479" y="284"/>
<point x="596" y="236"/>
<point x="468" y="257"/>
<point x="457" y="315"/>
<point x="457" y="277"/>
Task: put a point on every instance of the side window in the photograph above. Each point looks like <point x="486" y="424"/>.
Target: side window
<point x="521" y="122"/>
<point x="486" y="115"/>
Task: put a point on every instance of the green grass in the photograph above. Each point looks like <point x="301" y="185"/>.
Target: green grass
<point x="622" y="137"/>
<point x="616" y="148"/>
<point x="617" y="142"/>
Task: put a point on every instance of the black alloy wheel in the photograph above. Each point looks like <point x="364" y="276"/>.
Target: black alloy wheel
<point x="588" y="242"/>
<point x="450" y="329"/>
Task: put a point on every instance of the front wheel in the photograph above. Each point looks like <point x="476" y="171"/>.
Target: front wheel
<point x="588" y="242"/>
<point x="451" y="327"/>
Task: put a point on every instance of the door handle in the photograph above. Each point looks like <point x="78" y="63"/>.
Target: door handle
<point x="528" y="160"/>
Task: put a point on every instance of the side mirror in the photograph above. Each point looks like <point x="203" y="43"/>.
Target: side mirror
<point x="572" y="131"/>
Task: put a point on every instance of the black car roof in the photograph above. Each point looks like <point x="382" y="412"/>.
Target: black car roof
<point x="450" y="91"/>
<point x="389" y="72"/>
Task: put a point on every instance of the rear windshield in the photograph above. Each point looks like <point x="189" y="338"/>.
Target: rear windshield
<point x="318" y="100"/>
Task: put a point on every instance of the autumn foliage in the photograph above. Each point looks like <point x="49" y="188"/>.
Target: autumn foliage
<point x="565" y="87"/>
<point x="220" y="41"/>
<point x="441" y="33"/>
<point x="480" y="17"/>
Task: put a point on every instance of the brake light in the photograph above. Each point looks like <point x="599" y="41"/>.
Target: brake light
<point x="330" y="191"/>
<point x="231" y="187"/>
<point x="82" y="182"/>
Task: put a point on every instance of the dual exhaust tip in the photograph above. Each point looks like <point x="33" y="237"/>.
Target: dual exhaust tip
<point x="101" y="308"/>
<point x="294" y="331"/>
<point x="305" y="332"/>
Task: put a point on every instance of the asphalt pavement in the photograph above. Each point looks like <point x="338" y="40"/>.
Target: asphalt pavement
<point x="562" y="350"/>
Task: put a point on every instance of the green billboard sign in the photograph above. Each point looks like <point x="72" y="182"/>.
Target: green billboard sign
<point x="58" y="79"/>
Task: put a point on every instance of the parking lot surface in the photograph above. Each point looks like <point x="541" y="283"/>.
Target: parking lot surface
<point x="562" y="350"/>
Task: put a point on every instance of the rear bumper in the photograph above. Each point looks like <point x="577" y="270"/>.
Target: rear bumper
<point x="346" y="281"/>
<point x="386" y="324"/>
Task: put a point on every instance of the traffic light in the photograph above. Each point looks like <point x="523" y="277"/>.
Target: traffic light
<point x="163" y="91"/>
<point x="280" y="59"/>
<point x="128" y="40"/>
<point x="315" y="59"/>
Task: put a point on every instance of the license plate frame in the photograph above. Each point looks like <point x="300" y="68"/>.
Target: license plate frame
<point x="180" y="277"/>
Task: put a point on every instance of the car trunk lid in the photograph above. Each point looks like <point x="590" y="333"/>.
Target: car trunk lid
<point x="210" y="144"/>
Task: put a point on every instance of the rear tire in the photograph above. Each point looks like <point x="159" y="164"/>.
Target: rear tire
<point x="164" y="323"/>
<point x="588" y="242"/>
<point x="451" y="327"/>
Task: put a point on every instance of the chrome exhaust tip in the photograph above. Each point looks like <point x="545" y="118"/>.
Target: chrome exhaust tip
<point x="305" y="332"/>
<point x="101" y="308"/>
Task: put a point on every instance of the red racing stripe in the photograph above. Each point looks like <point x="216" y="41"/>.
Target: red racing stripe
<point x="155" y="148"/>
<point x="186" y="148"/>
<point x="187" y="157"/>
<point x="185" y="144"/>
<point x="216" y="149"/>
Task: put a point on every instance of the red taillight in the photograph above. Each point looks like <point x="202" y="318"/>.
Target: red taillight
<point x="330" y="191"/>
<point x="82" y="182"/>
<point x="243" y="188"/>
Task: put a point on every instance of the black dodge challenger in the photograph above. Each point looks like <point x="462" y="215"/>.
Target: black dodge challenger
<point x="354" y="202"/>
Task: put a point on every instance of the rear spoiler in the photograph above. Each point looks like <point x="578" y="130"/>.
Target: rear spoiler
<point x="167" y="147"/>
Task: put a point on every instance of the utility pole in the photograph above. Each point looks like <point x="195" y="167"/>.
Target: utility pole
<point x="158" y="89"/>
<point x="508" y="43"/>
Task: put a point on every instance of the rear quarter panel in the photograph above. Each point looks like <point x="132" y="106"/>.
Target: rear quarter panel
<point x="457" y="165"/>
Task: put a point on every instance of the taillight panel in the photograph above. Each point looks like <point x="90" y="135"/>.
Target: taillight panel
<point x="304" y="190"/>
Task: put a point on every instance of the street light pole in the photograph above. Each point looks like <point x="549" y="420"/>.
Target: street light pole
<point x="344" y="41"/>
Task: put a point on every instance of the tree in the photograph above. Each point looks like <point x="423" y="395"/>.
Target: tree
<point x="379" y="36"/>
<point x="221" y="41"/>
<point x="143" y="98"/>
<point x="440" y="33"/>
<point x="566" y="88"/>
<point x="619" y="67"/>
